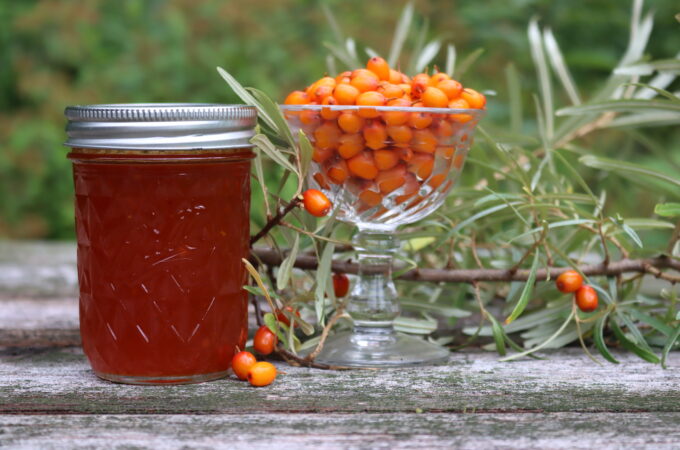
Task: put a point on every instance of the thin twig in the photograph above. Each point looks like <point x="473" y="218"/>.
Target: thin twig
<point x="324" y="334"/>
<point x="271" y="223"/>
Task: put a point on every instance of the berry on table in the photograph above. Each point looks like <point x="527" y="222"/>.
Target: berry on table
<point x="316" y="203"/>
<point x="262" y="374"/>
<point x="264" y="341"/>
<point x="569" y="281"/>
<point x="241" y="364"/>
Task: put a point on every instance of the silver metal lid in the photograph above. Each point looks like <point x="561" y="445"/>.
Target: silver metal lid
<point x="160" y="126"/>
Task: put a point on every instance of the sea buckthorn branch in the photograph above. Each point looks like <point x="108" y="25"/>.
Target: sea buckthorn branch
<point x="273" y="221"/>
<point x="651" y="266"/>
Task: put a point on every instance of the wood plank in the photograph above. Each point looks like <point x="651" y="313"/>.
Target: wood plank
<point x="60" y="381"/>
<point x="313" y="431"/>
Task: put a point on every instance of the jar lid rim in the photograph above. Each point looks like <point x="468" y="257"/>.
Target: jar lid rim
<point x="160" y="112"/>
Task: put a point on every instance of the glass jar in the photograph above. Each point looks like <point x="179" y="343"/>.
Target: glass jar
<point x="162" y="197"/>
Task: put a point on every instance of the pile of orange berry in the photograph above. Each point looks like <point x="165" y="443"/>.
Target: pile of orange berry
<point x="374" y="152"/>
<point x="584" y="295"/>
<point x="245" y="365"/>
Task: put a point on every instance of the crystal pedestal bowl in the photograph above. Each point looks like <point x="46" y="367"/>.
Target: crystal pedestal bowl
<point x="382" y="167"/>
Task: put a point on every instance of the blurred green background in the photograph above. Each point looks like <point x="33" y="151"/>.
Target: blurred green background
<point x="54" y="53"/>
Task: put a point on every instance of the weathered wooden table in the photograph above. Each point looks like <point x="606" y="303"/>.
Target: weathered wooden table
<point x="49" y="398"/>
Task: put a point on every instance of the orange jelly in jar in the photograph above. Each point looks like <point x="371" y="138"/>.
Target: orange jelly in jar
<point x="162" y="222"/>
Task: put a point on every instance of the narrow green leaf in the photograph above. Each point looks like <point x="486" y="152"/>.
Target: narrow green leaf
<point x="245" y="96"/>
<point x="538" y="55"/>
<point x="669" y="344"/>
<point x="274" y="112"/>
<point x="497" y="335"/>
<point x="427" y="55"/>
<point x="556" y="59"/>
<point x="526" y="292"/>
<point x="330" y="18"/>
<point x="632" y="234"/>
<point x="306" y="152"/>
<point x="598" y="338"/>
<point x="450" y="59"/>
<point x="651" y="321"/>
<point x="661" y="65"/>
<point x="415" y="326"/>
<point x="667" y="209"/>
<point x="322" y="277"/>
<point x="625" y="167"/>
<point x="632" y="346"/>
<point x="279" y="329"/>
<point x="286" y="267"/>
<point x="400" y="34"/>
<point x="264" y="144"/>
<point x="646" y="119"/>
<point x="514" y="97"/>
<point x="628" y="105"/>
<point x="467" y="62"/>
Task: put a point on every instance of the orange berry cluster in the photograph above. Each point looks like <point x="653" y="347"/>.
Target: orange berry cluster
<point x="584" y="295"/>
<point x="245" y="365"/>
<point x="374" y="153"/>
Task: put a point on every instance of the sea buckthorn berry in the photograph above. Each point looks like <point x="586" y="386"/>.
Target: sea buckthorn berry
<point x="445" y="151"/>
<point x="310" y="118"/>
<point x="385" y="159"/>
<point x="434" y="98"/>
<point x="474" y="98"/>
<point x="350" y="145"/>
<point x="338" y="172"/>
<point x="327" y="113"/>
<point x="421" y="165"/>
<point x="443" y="128"/>
<point x="297" y="98"/>
<point x="569" y="281"/>
<point x="400" y="134"/>
<point x="396" y="117"/>
<point x="418" y="84"/>
<point x="321" y="180"/>
<point x="281" y="317"/>
<point x="343" y="77"/>
<point x="586" y="298"/>
<point x="410" y="188"/>
<point x="321" y="155"/>
<point x="345" y="94"/>
<point x="420" y="120"/>
<point x="407" y="88"/>
<point x="438" y="78"/>
<point x="375" y="135"/>
<point x="424" y="141"/>
<point x="370" y="198"/>
<point x="350" y="122"/>
<point x="379" y="66"/>
<point x="261" y="374"/>
<point x="392" y="179"/>
<point x="327" y="135"/>
<point x="405" y="154"/>
<point x="241" y="364"/>
<point x="364" y="72"/>
<point x="390" y="91"/>
<point x="363" y="166"/>
<point x="322" y="92"/>
<point x="265" y="341"/>
<point x="451" y="88"/>
<point x="459" y="103"/>
<point x="459" y="160"/>
<point x="316" y="203"/>
<point x="340" y="284"/>
<point x="395" y="77"/>
<point x="436" y="180"/>
<point x="365" y="83"/>
<point x="371" y="98"/>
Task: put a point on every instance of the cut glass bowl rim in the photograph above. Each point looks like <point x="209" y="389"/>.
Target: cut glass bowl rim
<point x="478" y="113"/>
